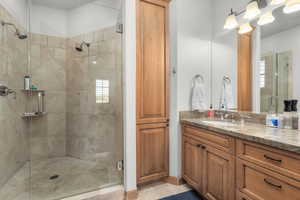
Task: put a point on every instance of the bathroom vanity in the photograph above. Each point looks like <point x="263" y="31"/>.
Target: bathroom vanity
<point x="226" y="160"/>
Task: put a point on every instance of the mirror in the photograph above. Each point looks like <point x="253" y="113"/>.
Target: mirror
<point x="274" y="62"/>
<point x="279" y="65"/>
<point x="224" y="67"/>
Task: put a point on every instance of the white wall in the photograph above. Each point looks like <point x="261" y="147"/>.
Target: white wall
<point x="49" y="21"/>
<point x="90" y="17"/>
<point x="191" y="26"/>
<point x="129" y="94"/>
<point x="68" y="23"/>
<point x="288" y="40"/>
<point x="18" y="8"/>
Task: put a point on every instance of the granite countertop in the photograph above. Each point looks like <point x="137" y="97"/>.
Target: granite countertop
<point x="284" y="139"/>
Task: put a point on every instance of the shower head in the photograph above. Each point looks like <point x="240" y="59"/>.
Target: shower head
<point x="80" y="47"/>
<point x="20" y="35"/>
<point x="17" y="31"/>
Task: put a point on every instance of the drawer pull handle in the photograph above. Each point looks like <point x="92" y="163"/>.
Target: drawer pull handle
<point x="272" y="184"/>
<point x="273" y="159"/>
<point x="199" y="145"/>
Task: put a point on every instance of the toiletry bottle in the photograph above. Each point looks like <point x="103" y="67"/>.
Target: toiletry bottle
<point x="41" y="102"/>
<point x="288" y="119"/>
<point x="27" y="82"/>
<point x="211" y="112"/>
<point x="294" y="114"/>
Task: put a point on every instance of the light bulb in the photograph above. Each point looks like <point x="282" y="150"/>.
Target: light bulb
<point x="245" y="28"/>
<point x="277" y="2"/>
<point x="291" y="6"/>
<point x="231" y="22"/>
<point x="266" y="19"/>
<point x="252" y="10"/>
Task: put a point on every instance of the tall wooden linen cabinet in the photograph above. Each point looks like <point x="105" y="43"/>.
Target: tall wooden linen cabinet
<point x="152" y="90"/>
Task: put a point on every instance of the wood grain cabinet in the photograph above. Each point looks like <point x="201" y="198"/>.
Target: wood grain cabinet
<point x="193" y="162"/>
<point x="207" y="168"/>
<point x="152" y="143"/>
<point x="218" y="175"/>
<point x="152" y="89"/>
<point x="225" y="168"/>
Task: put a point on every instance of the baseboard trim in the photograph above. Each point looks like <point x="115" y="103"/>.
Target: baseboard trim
<point x="131" y="195"/>
<point x="174" y="180"/>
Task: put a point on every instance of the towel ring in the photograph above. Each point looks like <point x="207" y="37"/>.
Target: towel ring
<point x="227" y="79"/>
<point x="199" y="76"/>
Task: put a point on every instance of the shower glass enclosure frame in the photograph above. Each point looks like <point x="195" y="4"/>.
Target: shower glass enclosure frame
<point x="76" y="144"/>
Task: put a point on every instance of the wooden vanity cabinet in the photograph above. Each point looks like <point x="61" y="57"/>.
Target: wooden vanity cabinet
<point x="221" y="167"/>
<point x="206" y="166"/>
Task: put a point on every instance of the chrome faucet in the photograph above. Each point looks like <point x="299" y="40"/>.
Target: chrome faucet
<point x="243" y="117"/>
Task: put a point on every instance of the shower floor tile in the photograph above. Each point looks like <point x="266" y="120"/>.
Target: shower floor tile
<point x="56" y="178"/>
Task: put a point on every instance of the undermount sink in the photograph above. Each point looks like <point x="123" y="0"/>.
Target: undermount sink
<point x="220" y="123"/>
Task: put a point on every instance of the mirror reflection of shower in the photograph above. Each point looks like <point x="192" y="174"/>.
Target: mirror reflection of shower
<point x="81" y="45"/>
<point x="21" y="36"/>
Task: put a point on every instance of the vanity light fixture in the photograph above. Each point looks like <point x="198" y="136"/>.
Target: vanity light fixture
<point x="267" y="18"/>
<point x="277" y="2"/>
<point x="231" y="21"/>
<point x="252" y="10"/>
<point x="245" y="28"/>
<point x="291" y="6"/>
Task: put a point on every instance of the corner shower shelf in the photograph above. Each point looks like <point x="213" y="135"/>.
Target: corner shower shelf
<point x="33" y="115"/>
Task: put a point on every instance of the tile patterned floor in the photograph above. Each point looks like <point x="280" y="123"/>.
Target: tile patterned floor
<point x="160" y="190"/>
<point x="152" y="191"/>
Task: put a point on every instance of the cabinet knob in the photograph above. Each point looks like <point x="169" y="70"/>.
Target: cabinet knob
<point x="203" y="147"/>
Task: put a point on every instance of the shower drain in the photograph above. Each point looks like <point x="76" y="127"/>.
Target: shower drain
<point x="54" y="177"/>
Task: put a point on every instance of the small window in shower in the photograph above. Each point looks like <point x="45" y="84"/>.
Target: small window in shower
<point x="102" y="91"/>
<point x="262" y="74"/>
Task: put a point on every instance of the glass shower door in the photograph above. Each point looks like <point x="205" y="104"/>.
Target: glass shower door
<point x="276" y="81"/>
<point x="14" y="142"/>
<point x="77" y="144"/>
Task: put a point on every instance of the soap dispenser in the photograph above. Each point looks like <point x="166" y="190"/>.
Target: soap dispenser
<point x="294" y="114"/>
<point x="288" y="115"/>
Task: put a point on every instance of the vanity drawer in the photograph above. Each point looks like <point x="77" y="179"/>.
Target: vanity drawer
<point x="241" y="196"/>
<point x="261" y="184"/>
<point x="283" y="162"/>
<point x="219" y="141"/>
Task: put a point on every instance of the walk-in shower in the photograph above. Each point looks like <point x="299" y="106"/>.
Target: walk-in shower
<point x="75" y="61"/>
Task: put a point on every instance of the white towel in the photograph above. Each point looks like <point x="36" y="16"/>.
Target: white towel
<point x="226" y="99"/>
<point x="198" y="94"/>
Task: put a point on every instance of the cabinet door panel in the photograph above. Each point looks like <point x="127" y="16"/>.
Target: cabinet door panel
<point x="152" y="62"/>
<point x="218" y="175"/>
<point x="152" y="152"/>
<point x="193" y="163"/>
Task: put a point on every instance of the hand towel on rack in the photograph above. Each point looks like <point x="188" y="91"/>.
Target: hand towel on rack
<point x="227" y="95"/>
<point x="198" y="94"/>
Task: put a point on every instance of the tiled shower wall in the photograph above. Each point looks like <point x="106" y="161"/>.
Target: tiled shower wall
<point x="94" y="130"/>
<point x="14" y="149"/>
<point x="48" y="69"/>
